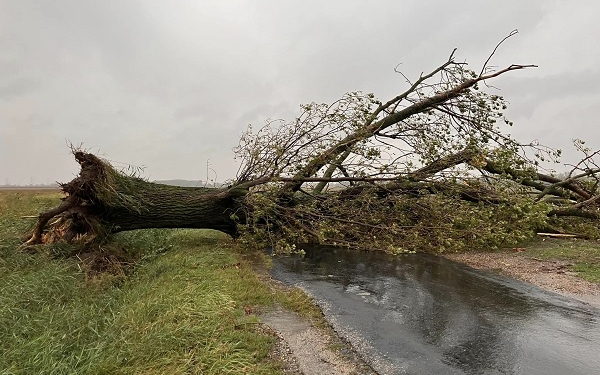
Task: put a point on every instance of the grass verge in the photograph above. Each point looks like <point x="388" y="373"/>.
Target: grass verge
<point x="582" y="255"/>
<point x="187" y="307"/>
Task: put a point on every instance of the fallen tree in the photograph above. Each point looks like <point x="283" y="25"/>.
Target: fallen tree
<point x="102" y="200"/>
<point x="429" y="169"/>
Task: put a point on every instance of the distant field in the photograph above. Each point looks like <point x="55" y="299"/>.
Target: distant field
<point x="33" y="189"/>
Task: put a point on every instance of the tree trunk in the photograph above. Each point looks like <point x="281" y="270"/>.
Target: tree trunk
<point x="102" y="200"/>
<point x="163" y="206"/>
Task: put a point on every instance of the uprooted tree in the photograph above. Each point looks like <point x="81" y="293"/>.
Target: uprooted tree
<point x="430" y="169"/>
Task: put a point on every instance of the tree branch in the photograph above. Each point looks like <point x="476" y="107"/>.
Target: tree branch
<point x="370" y="129"/>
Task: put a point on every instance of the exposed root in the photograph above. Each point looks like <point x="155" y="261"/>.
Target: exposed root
<point x="44" y="217"/>
<point x="102" y="200"/>
<point x="74" y="219"/>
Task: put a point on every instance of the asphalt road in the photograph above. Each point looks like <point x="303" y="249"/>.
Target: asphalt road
<point x="421" y="314"/>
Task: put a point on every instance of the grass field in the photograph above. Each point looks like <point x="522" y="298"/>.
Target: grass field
<point x="181" y="309"/>
<point x="583" y="255"/>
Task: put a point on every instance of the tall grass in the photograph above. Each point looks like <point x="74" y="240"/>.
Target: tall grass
<point x="180" y="310"/>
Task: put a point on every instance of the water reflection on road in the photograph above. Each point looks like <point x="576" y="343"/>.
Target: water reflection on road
<point x="420" y="314"/>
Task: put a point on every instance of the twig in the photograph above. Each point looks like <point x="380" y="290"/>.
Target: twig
<point x="514" y="32"/>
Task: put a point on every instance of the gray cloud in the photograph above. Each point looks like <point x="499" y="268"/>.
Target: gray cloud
<point x="18" y="87"/>
<point x="171" y="85"/>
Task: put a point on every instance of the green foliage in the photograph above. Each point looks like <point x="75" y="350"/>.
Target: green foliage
<point x="577" y="225"/>
<point x="379" y="145"/>
<point x="401" y="223"/>
<point x="285" y="148"/>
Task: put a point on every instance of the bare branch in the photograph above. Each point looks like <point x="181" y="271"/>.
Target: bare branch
<point x="483" y="68"/>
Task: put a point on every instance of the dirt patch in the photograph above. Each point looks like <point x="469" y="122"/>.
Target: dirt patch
<point x="308" y="350"/>
<point x="552" y="275"/>
<point x="306" y="345"/>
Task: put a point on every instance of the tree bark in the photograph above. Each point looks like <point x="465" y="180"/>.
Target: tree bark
<point x="102" y="200"/>
<point x="164" y="206"/>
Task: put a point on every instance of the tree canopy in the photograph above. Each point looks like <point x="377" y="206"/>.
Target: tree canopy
<point x="431" y="169"/>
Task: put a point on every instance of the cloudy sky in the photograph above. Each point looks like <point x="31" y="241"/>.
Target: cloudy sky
<point x="171" y="85"/>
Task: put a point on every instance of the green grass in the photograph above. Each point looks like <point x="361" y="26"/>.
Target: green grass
<point x="180" y="310"/>
<point x="583" y="255"/>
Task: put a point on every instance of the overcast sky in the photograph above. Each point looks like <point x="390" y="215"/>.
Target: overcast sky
<point x="171" y="85"/>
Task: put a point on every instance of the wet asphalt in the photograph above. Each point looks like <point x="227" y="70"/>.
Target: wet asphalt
<point x="422" y="314"/>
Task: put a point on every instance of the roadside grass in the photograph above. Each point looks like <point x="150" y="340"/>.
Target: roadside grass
<point x="583" y="255"/>
<point x="186" y="307"/>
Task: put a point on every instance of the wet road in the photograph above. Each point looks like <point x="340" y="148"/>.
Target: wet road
<point x="420" y="314"/>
